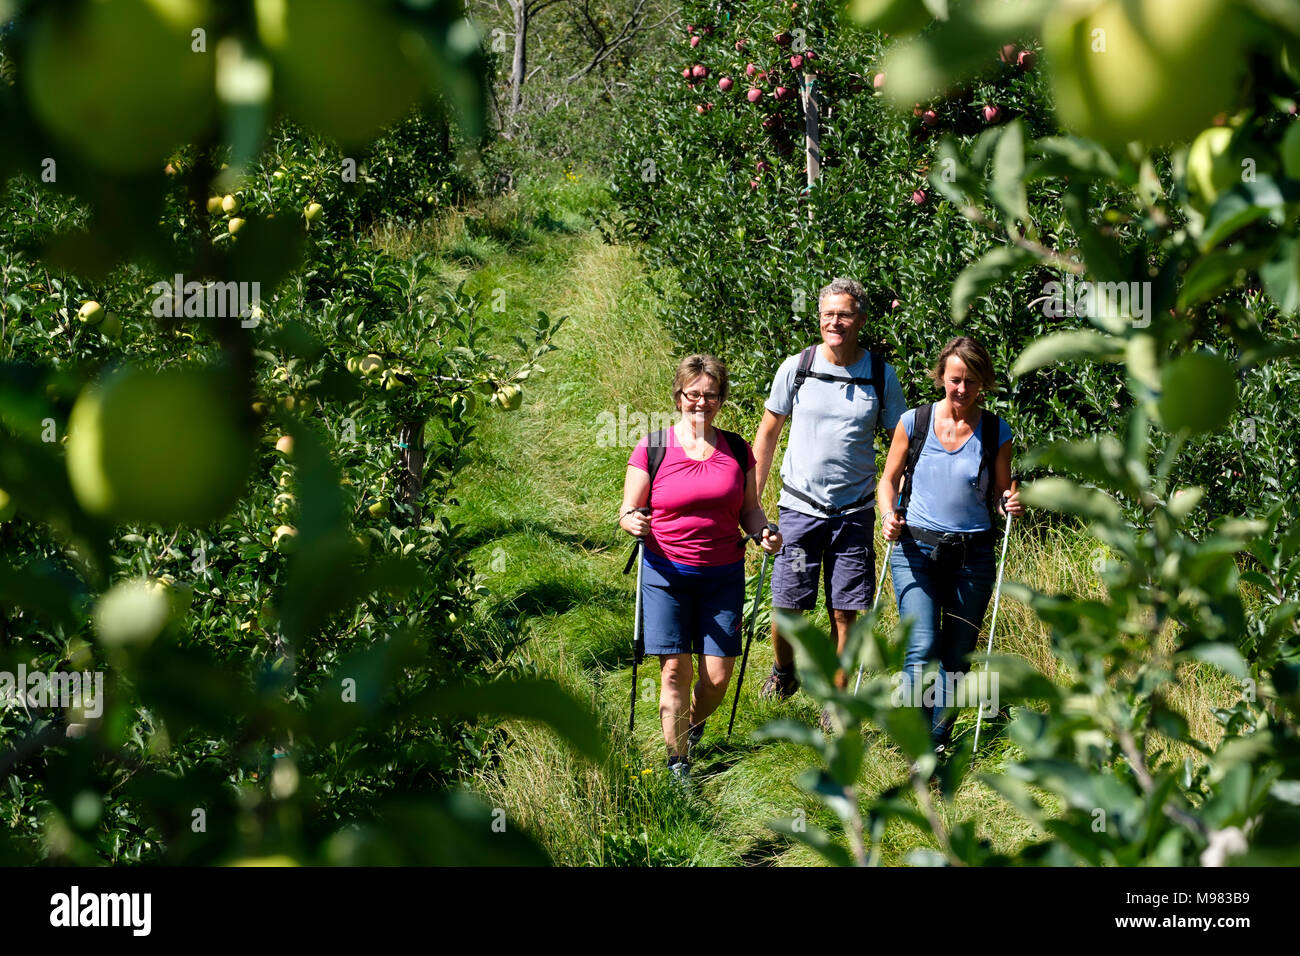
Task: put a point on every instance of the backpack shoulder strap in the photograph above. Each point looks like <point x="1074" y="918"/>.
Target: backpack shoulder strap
<point x="655" y="450"/>
<point x="738" y="446"/>
<point x="988" y="461"/>
<point x="801" y="373"/>
<point x="878" y="383"/>
<point x="920" y="431"/>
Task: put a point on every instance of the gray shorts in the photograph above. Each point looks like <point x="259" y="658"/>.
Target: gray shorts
<point x="840" y="550"/>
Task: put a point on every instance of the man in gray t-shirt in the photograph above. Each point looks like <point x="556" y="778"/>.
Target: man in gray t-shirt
<point x="828" y="475"/>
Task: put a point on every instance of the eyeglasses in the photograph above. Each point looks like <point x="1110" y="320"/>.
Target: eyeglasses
<point x="709" y="397"/>
<point x="846" y="316"/>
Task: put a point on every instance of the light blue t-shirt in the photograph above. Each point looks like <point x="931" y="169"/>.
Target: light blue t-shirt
<point x="944" y="494"/>
<point x="830" y="456"/>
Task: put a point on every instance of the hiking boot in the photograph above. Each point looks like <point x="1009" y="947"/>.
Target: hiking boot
<point x="779" y="685"/>
<point x="693" y="739"/>
<point x="681" y="773"/>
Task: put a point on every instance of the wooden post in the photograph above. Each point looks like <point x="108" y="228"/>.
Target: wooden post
<point x="812" y="133"/>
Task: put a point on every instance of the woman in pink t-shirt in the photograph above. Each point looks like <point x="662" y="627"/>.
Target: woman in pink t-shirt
<point x="693" y="573"/>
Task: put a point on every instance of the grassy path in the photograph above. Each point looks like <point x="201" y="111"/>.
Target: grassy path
<point x="539" y="505"/>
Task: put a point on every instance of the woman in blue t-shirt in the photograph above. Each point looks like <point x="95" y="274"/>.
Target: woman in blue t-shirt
<point x="943" y="564"/>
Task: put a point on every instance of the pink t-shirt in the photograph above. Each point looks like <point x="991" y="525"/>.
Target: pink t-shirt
<point x="695" y="505"/>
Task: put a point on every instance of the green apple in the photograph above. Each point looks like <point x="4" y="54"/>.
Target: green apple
<point x="284" y="503"/>
<point x="510" y="397"/>
<point x="91" y="312"/>
<point x="111" y="327"/>
<point x="379" y="509"/>
<point x="118" y="81"/>
<point x="1151" y="70"/>
<point x="164" y="447"/>
<point x="353" y="364"/>
<point x="229" y="205"/>
<point x="214" y="205"/>
<point x="1210" y="167"/>
<point x="345" y="68"/>
<point x="285" y="538"/>
<point x="312" y="211"/>
<point x="372" y="364"/>
<point x="132" y="613"/>
<point x="234" y="225"/>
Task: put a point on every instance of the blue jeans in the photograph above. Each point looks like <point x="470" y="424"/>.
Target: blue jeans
<point x="945" y="601"/>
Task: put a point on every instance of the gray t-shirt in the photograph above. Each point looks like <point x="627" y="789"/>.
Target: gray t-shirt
<point x="830" y="455"/>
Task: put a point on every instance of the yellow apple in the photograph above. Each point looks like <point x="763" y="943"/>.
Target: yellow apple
<point x="7" y="506"/>
<point x="510" y="397"/>
<point x="312" y="211"/>
<point x="379" y="508"/>
<point x="1150" y="70"/>
<point x="345" y="68"/>
<point x="285" y="445"/>
<point x="229" y="205"/>
<point x="235" y="225"/>
<point x="118" y="81"/>
<point x="214" y="205"/>
<point x="164" y="447"/>
<point x="372" y="364"/>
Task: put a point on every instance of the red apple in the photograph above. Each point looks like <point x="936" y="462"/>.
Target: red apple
<point x="690" y="28"/>
<point x="724" y="84"/>
<point x="783" y="93"/>
<point x="699" y="71"/>
<point x="699" y="108"/>
<point x="929" y="117"/>
<point x="782" y="39"/>
<point x="707" y="30"/>
<point x="762" y="166"/>
<point x="879" y="81"/>
<point x="992" y="114"/>
<point x="753" y="184"/>
<point x="895" y="304"/>
<point x="740" y="45"/>
<point x="695" y="41"/>
<point x="754" y="94"/>
<point x="772" y="122"/>
<point x="686" y="73"/>
<point x="1008" y="53"/>
<point x="750" y="69"/>
<point x="796" y="62"/>
<point x="1026" y="60"/>
<point x="918" y="197"/>
<point x="809" y="55"/>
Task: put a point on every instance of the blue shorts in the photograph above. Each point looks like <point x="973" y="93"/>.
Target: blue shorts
<point x="691" y="612"/>
<point x="841" y="550"/>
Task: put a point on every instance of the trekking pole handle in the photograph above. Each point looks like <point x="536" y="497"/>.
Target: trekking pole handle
<point x="757" y="536"/>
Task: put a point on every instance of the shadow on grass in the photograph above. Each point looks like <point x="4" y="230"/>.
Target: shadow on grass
<point x="765" y="852"/>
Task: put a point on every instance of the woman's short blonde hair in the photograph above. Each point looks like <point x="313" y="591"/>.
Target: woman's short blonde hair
<point x="973" y="355"/>
<point x="692" y="367"/>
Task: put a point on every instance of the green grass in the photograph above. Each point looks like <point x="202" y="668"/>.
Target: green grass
<point x="539" y="503"/>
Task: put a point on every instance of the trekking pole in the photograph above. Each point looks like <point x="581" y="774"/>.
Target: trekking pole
<point x="637" y="639"/>
<point x="762" y="572"/>
<point x="880" y="585"/>
<point x="997" y="594"/>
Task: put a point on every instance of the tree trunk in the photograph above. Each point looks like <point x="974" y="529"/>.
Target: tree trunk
<point x="520" y="63"/>
<point x="411" y="483"/>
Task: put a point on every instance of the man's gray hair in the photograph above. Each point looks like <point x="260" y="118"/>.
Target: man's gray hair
<point x="849" y="287"/>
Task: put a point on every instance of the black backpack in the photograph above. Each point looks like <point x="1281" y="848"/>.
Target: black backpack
<point x="988" y="434"/>
<point x="876" y="381"/>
